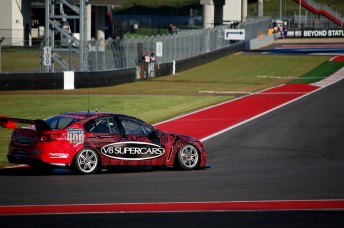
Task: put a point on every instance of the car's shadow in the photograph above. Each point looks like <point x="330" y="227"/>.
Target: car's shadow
<point x="27" y="171"/>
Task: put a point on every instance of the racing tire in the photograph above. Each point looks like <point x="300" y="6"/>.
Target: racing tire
<point x="86" y="161"/>
<point x="188" y="157"/>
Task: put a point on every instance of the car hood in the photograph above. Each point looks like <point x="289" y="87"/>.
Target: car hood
<point x="185" y="138"/>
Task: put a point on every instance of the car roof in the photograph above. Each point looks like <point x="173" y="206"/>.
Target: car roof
<point x="84" y="114"/>
<point x="93" y="114"/>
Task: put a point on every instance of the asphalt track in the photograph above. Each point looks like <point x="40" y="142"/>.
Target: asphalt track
<point x="308" y="49"/>
<point x="282" y="169"/>
<point x="292" y="154"/>
<point x="320" y="46"/>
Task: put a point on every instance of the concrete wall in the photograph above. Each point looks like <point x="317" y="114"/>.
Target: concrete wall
<point x="232" y="10"/>
<point x="14" y="16"/>
<point x="216" y="12"/>
<point x="259" y="42"/>
<point x="6" y="19"/>
<point x="17" y="23"/>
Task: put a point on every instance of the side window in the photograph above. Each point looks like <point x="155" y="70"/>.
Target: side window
<point x="134" y="127"/>
<point x="105" y="125"/>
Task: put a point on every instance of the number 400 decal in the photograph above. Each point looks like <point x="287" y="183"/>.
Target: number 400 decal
<point x="75" y="135"/>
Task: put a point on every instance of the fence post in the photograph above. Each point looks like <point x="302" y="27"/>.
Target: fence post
<point x="2" y="39"/>
<point x="173" y="67"/>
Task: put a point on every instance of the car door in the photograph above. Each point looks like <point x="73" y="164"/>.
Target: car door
<point x="101" y="133"/>
<point x="143" y="146"/>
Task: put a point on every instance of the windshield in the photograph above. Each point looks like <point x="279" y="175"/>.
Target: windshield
<point x="60" y="122"/>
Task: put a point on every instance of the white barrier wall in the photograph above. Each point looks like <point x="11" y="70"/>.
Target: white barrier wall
<point x="68" y="80"/>
<point x="259" y="42"/>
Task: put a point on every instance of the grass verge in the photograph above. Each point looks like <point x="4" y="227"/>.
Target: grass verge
<point x="323" y="71"/>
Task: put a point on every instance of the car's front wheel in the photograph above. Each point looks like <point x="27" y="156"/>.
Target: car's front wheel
<point x="188" y="157"/>
<point x="86" y="161"/>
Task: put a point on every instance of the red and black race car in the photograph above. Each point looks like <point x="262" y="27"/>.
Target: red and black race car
<point x="87" y="141"/>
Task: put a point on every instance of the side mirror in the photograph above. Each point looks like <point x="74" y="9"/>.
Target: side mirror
<point x="154" y="134"/>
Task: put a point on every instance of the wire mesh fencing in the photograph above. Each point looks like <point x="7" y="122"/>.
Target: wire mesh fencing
<point x="124" y="53"/>
<point x="119" y="53"/>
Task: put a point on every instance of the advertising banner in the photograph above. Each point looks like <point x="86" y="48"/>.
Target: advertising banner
<point x="316" y="33"/>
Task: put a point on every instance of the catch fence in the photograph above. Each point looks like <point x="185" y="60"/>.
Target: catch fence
<point x="123" y="53"/>
<point x="119" y="53"/>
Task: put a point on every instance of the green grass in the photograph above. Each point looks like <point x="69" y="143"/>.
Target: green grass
<point x="20" y="59"/>
<point x="321" y="72"/>
<point x="161" y="98"/>
<point x="150" y="108"/>
<point x="158" y="3"/>
<point x="290" y="7"/>
<point x="269" y="5"/>
<point x="147" y="31"/>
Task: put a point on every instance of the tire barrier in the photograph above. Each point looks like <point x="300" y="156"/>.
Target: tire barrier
<point x="163" y="69"/>
<point x="31" y="81"/>
<point x="64" y="80"/>
<point x="103" y="78"/>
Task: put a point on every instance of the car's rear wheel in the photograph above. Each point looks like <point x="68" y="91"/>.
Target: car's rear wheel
<point x="86" y="161"/>
<point x="188" y="157"/>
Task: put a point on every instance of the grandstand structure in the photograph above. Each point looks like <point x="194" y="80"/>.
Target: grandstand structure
<point x="324" y="10"/>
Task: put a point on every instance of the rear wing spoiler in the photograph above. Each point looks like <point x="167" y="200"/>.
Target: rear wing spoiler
<point x="8" y="122"/>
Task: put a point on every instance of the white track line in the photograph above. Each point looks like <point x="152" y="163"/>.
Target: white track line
<point x="337" y="76"/>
